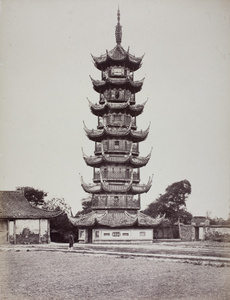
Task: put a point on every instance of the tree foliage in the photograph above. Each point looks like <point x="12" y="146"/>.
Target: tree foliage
<point x="60" y="226"/>
<point x="34" y="196"/>
<point x="57" y="204"/>
<point x="86" y="206"/>
<point x="172" y="203"/>
<point x="219" y="221"/>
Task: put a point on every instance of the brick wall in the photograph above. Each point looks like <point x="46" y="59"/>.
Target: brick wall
<point x="187" y="232"/>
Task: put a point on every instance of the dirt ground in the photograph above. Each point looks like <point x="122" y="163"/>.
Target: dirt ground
<point x="68" y="275"/>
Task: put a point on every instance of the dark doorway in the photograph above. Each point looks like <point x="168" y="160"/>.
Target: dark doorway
<point x="90" y="235"/>
<point x="197" y="234"/>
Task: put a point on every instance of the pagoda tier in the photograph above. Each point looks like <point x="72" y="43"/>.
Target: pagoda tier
<point x="115" y="219"/>
<point x="127" y="83"/>
<point x="102" y="109"/>
<point x="129" y="160"/>
<point x="117" y="56"/>
<point x="107" y="187"/>
<point x="98" y="135"/>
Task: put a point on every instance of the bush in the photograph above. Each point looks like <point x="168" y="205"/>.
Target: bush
<point x="217" y="236"/>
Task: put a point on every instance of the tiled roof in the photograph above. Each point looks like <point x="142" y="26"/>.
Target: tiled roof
<point x="14" y="205"/>
<point x="101" y="85"/>
<point x="100" y="109"/>
<point x="116" y="219"/>
<point x="118" y="54"/>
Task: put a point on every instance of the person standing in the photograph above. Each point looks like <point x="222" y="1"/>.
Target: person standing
<point x="71" y="241"/>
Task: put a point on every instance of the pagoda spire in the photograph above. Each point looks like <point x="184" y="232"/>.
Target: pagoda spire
<point x="118" y="31"/>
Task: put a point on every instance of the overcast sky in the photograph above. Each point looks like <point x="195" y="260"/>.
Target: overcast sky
<point x="45" y="64"/>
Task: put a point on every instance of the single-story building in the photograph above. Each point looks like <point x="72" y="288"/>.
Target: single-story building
<point x="20" y="222"/>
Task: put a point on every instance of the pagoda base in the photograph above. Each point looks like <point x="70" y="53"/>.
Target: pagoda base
<point x="115" y="227"/>
<point x="116" y="235"/>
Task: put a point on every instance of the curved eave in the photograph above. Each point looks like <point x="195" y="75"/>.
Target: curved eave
<point x="144" y="220"/>
<point x="138" y="162"/>
<point x="101" y="85"/>
<point x="137" y="109"/>
<point x="91" y="188"/>
<point x="135" y="60"/>
<point x="93" y="161"/>
<point x="97" y="109"/>
<point x="84" y="220"/>
<point x="142" y="188"/>
<point x="94" y="134"/>
<point x="139" y="136"/>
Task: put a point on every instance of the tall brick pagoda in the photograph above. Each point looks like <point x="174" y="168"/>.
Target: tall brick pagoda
<point x="116" y="163"/>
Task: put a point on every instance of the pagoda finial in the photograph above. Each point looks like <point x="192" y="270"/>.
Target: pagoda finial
<point x="118" y="31"/>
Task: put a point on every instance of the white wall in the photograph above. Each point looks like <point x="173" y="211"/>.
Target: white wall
<point x="119" y="235"/>
<point x="32" y="225"/>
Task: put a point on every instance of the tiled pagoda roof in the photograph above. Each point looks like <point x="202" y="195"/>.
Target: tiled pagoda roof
<point x="98" y="135"/>
<point x="115" y="219"/>
<point x="133" y="110"/>
<point x="101" y="85"/>
<point x="14" y="205"/>
<point x="103" y="186"/>
<point x="117" y="56"/>
<point x="135" y="162"/>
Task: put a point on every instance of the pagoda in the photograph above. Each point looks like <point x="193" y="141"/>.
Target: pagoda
<point x="116" y="163"/>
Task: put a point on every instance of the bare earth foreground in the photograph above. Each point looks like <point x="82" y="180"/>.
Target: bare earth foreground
<point x="42" y="275"/>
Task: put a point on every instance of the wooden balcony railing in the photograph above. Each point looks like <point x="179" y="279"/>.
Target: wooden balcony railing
<point x="117" y="146"/>
<point x="116" y="176"/>
<point x="116" y="201"/>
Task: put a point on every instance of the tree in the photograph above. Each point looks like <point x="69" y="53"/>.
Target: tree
<point x="34" y="196"/>
<point x="57" y="204"/>
<point x="86" y="206"/>
<point x="172" y="204"/>
<point x="60" y="226"/>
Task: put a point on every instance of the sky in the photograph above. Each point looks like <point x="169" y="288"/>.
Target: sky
<point x="45" y="63"/>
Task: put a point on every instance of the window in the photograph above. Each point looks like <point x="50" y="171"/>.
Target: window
<point x="81" y="233"/>
<point x="116" y="233"/>
<point x="117" y="71"/>
<point x="106" y="234"/>
<point x="97" y="234"/>
<point x="117" y="118"/>
<point x="116" y="144"/>
<point x="116" y="200"/>
<point x="125" y="234"/>
<point x="142" y="233"/>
